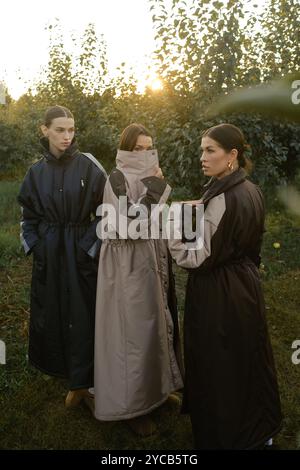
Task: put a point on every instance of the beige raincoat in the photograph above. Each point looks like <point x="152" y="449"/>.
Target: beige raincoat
<point x="137" y="352"/>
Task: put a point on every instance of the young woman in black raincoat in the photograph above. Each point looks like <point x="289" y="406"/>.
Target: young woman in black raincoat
<point x="231" y="390"/>
<point x="59" y="197"/>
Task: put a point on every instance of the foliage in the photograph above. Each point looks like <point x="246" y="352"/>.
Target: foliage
<point x="204" y="51"/>
<point x="9" y="149"/>
<point x="278" y="99"/>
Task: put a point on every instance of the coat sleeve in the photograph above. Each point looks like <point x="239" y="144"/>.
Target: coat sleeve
<point x="30" y="217"/>
<point x="90" y="242"/>
<point x="193" y="258"/>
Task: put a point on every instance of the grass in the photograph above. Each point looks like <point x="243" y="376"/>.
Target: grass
<point x="32" y="413"/>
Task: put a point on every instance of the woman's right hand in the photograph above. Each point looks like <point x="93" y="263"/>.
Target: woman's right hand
<point x="39" y="251"/>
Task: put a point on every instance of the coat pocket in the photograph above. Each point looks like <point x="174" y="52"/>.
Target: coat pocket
<point x="39" y="261"/>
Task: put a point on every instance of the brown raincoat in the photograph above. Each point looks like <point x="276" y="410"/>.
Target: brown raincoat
<point x="231" y="389"/>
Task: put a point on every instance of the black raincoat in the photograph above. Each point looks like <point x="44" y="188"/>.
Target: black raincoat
<point x="231" y="388"/>
<point x="59" y="198"/>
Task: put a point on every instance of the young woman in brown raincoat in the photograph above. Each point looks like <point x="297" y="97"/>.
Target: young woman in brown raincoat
<point x="137" y="354"/>
<point x="231" y="389"/>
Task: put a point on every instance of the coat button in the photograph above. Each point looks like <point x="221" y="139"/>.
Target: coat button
<point x="60" y="189"/>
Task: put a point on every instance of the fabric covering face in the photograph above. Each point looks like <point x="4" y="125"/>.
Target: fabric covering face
<point x="136" y="166"/>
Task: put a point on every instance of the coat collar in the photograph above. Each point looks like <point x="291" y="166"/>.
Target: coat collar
<point x="139" y="163"/>
<point x="68" y="154"/>
<point x="217" y="186"/>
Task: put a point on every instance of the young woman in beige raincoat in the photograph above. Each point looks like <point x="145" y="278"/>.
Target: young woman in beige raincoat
<point x="137" y="353"/>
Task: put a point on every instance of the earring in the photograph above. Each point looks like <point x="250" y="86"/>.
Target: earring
<point x="230" y="166"/>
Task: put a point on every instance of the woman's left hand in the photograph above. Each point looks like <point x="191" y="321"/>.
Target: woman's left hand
<point x="159" y="174"/>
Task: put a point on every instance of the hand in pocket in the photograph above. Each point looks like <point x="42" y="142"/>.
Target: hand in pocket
<point x="81" y="256"/>
<point x="39" y="251"/>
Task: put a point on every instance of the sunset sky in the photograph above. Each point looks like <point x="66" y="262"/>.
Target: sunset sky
<point x="125" y="24"/>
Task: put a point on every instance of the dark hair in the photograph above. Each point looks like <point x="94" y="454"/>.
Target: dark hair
<point x="56" y="112"/>
<point x="130" y="135"/>
<point x="230" y="137"/>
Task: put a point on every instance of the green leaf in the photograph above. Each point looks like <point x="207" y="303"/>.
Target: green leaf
<point x="274" y="100"/>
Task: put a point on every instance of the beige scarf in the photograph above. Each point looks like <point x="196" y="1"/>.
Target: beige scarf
<point x="136" y="166"/>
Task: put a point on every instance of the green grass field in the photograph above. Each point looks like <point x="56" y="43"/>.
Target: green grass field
<point x="32" y="413"/>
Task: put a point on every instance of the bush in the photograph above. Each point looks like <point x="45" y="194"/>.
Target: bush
<point x="202" y="53"/>
<point x="10" y="154"/>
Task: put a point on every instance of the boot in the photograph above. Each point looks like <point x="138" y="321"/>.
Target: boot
<point x="142" y="425"/>
<point x="173" y="400"/>
<point x="74" y="397"/>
